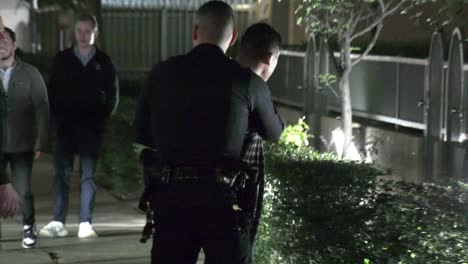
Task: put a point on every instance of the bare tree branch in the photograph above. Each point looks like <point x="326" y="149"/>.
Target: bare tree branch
<point x="332" y="57"/>
<point x="372" y="25"/>
<point x="379" y="20"/>
<point x="356" y="21"/>
<point x="369" y="46"/>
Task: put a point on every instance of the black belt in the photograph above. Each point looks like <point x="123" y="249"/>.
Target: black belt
<point x="157" y="174"/>
<point x="193" y="174"/>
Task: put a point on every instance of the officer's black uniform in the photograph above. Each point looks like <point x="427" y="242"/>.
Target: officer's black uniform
<point x="194" y="110"/>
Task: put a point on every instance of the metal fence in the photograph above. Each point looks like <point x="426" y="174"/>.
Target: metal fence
<point x="191" y="4"/>
<point x="387" y="89"/>
<point x="135" y="34"/>
<point x="138" y="38"/>
<point x="47" y="34"/>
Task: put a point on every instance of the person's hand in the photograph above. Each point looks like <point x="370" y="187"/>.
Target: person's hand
<point x="37" y="154"/>
<point x="8" y="200"/>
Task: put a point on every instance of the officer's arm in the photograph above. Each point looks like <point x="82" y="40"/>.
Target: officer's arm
<point x="143" y="111"/>
<point x="266" y="120"/>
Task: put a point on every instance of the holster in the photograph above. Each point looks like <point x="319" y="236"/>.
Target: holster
<point x="231" y="179"/>
<point x="155" y="171"/>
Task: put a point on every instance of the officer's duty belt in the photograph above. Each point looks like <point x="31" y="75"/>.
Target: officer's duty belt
<point x="193" y="174"/>
<point x="189" y="174"/>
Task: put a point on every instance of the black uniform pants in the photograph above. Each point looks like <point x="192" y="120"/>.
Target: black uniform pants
<point x="191" y="217"/>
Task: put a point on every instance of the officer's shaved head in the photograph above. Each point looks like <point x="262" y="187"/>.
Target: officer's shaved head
<point x="214" y="23"/>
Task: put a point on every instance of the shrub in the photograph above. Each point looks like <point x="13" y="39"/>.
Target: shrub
<point x="118" y="159"/>
<point x="131" y="86"/>
<point x="319" y="209"/>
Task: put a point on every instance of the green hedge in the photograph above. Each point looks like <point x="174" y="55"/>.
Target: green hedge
<point x="322" y="210"/>
<point x="118" y="159"/>
<point x="319" y="209"/>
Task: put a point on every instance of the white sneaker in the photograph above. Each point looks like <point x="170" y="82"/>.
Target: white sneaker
<point x="86" y="230"/>
<point x="29" y="236"/>
<point x="54" y="229"/>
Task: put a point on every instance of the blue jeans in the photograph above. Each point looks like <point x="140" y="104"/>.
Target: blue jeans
<point x="87" y="148"/>
<point x="21" y="169"/>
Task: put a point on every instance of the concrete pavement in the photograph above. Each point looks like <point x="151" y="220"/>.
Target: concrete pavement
<point x="117" y="223"/>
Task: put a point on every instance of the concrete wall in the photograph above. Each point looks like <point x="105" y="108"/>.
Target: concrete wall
<point x="16" y="15"/>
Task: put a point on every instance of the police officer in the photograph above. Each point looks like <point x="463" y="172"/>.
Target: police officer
<point x="194" y="111"/>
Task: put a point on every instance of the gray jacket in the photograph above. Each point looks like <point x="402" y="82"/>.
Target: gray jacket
<point x="27" y="120"/>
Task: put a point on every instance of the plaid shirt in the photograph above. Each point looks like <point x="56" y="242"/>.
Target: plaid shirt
<point x="252" y="150"/>
<point x="252" y="155"/>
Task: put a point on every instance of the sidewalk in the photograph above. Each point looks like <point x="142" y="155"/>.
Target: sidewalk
<point x="117" y="223"/>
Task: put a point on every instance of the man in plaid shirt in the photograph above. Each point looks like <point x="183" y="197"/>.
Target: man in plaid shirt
<point x="259" y="50"/>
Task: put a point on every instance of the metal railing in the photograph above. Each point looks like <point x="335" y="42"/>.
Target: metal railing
<point x="383" y="88"/>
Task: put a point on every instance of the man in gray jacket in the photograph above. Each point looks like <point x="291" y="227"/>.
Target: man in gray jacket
<point x="8" y="197"/>
<point x="26" y="126"/>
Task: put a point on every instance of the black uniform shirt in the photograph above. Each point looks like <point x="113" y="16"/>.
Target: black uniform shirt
<point x="195" y="108"/>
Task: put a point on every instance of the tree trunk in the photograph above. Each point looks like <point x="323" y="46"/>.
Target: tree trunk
<point x="346" y="113"/>
<point x="346" y="108"/>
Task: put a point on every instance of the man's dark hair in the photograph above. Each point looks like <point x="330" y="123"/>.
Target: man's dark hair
<point x="258" y="40"/>
<point x="10" y="33"/>
<point x="84" y="17"/>
<point x="217" y="16"/>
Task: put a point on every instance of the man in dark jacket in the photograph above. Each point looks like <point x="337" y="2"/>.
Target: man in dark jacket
<point x="26" y="127"/>
<point x="82" y="92"/>
<point x="194" y="111"/>
<point x="259" y="50"/>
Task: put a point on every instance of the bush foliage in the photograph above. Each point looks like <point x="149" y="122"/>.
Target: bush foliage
<point x="319" y="209"/>
<point x="322" y="210"/>
<point x="118" y="159"/>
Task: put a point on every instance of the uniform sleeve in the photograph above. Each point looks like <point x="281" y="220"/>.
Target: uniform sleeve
<point x="266" y="120"/>
<point x="41" y="109"/>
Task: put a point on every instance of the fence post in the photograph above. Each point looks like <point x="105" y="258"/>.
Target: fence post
<point x="310" y="90"/>
<point x="310" y="73"/>
<point x="163" y="39"/>
<point x="320" y="97"/>
<point x="434" y="83"/>
<point x="454" y="120"/>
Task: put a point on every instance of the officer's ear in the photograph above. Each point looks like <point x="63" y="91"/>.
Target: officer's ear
<point x="266" y="58"/>
<point x="234" y="37"/>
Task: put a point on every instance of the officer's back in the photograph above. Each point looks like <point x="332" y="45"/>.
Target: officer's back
<point x="200" y="104"/>
<point x="194" y="111"/>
